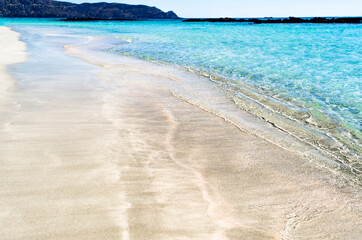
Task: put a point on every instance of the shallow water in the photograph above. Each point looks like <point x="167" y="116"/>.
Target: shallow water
<point x="302" y="78"/>
<point x="120" y="148"/>
<point x="305" y="79"/>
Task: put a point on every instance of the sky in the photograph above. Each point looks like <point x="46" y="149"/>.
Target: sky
<point x="250" y="8"/>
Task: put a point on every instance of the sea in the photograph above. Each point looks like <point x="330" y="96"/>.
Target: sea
<point x="302" y="79"/>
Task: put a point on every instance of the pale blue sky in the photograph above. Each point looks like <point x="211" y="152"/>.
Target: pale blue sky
<point x="251" y="8"/>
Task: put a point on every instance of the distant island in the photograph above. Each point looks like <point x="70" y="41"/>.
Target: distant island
<point x="90" y="11"/>
<point x="355" y="20"/>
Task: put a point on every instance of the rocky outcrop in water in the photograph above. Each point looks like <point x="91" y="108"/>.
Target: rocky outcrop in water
<point x="56" y="9"/>
<point x="279" y="20"/>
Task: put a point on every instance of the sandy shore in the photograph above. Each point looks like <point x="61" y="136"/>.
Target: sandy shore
<point x="12" y="51"/>
<point x="107" y="147"/>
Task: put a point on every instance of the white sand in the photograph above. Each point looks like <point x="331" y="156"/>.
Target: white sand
<point x="120" y="157"/>
<point x="12" y="51"/>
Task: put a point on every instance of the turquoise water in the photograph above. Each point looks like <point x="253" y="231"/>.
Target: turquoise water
<point x="304" y="78"/>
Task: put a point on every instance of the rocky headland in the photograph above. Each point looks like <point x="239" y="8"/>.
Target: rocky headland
<point x="102" y="10"/>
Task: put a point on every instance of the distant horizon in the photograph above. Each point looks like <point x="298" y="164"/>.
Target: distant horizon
<point x="250" y="8"/>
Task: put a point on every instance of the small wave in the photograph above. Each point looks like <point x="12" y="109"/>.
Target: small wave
<point x="126" y="39"/>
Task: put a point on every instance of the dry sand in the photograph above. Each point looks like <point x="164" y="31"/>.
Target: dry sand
<point x="122" y="156"/>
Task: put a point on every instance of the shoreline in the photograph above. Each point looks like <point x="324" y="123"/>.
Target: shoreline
<point x="13" y="51"/>
<point x="165" y="79"/>
<point x="326" y="137"/>
<point x="252" y="114"/>
<point x="109" y="150"/>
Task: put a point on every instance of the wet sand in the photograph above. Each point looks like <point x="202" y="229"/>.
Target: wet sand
<point x="12" y="51"/>
<point x="106" y="147"/>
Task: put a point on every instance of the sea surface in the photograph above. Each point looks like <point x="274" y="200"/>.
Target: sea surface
<point x="304" y="79"/>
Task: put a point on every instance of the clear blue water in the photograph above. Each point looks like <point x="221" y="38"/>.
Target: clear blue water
<point x="306" y="74"/>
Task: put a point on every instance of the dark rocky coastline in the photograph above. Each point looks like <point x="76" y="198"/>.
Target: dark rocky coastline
<point x="57" y="9"/>
<point x="354" y="20"/>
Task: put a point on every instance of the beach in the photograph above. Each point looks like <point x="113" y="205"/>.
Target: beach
<point x="12" y="51"/>
<point x="95" y="145"/>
